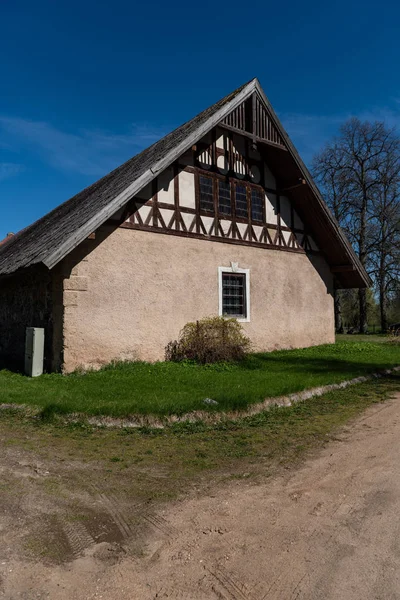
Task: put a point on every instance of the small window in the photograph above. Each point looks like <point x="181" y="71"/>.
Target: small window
<point x="234" y="295"/>
<point x="241" y="201"/>
<point x="257" y="204"/>
<point x="224" y="197"/>
<point x="206" y="194"/>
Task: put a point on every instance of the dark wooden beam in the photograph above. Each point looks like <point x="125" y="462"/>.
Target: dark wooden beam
<point x="294" y="185"/>
<point x="254" y="109"/>
<point x="343" y="268"/>
<point x="213" y="238"/>
<point x="250" y="135"/>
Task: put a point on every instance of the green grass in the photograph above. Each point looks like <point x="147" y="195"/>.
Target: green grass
<point x="165" y="388"/>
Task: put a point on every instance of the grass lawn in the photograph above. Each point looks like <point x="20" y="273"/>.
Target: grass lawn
<point x="166" y="388"/>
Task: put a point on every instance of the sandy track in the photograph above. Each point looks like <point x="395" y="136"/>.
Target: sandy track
<point x="330" y="530"/>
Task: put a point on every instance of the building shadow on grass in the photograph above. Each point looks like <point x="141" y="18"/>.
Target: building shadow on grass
<point x="314" y="365"/>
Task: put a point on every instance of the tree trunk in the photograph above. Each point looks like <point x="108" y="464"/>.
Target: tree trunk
<point x="383" y="308"/>
<point x="362" y="293"/>
<point x="338" y="312"/>
<point x="362" y="297"/>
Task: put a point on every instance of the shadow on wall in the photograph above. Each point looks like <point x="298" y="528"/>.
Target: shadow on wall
<point x="323" y="270"/>
<point x="33" y="298"/>
<point x="25" y="301"/>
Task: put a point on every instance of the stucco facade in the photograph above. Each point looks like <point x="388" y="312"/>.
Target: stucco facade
<point x="128" y="293"/>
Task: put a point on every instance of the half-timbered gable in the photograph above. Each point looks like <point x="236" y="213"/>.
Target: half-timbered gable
<point x="221" y="216"/>
<point x="222" y="190"/>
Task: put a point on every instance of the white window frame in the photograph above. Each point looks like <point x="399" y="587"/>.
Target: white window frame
<point x="234" y="269"/>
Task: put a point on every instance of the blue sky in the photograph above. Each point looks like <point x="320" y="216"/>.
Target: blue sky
<point x="85" y="85"/>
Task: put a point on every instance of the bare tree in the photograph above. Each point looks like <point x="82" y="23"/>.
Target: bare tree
<point x="328" y="170"/>
<point x="385" y="232"/>
<point x="352" y="170"/>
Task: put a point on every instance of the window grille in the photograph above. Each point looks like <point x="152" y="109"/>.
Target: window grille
<point x="224" y="197"/>
<point x="241" y="201"/>
<point x="206" y="193"/>
<point x="257" y="204"/>
<point x="234" y="295"/>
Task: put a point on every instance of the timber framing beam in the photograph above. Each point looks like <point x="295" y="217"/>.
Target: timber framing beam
<point x="300" y="183"/>
<point x="252" y="137"/>
<point x="343" y="269"/>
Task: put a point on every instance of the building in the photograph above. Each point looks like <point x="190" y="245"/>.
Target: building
<point x="220" y="216"/>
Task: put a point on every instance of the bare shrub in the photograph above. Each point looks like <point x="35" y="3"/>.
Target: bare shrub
<point x="394" y="336"/>
<point x="210" y="340"/>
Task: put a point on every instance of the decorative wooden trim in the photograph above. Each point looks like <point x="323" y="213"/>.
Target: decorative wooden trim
<point x="177" y="216"/>
<point x="248" y="198"/>
<point x="167" y="217"/>
<point x="235" y="231"/>
<point x="197" y="204"/>
<point x="231" y="175"/>
<point x="206" y="237"/>
<point x="254" y="119"/>
<point x="216" y="211"/>
<point x="214" y="147"/>
<point x="205" y="213"/>
<point x="154" y="193"/>
<point x="278" y="216"/>
<point x="192" y="211"/>
<point x="167" y="206"/>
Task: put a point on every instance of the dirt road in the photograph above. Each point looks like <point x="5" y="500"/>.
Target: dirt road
<point x="329" y="531"/>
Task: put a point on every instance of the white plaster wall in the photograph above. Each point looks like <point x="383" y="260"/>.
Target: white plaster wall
<point x="271" y="212"/>
<point x="186" y="189"/>
<point x="142" y="287"/>
<point x="222" y="140"/>
<point x="144" y="212"/>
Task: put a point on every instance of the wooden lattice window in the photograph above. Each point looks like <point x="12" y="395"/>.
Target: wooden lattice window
<point x="206" y="193"/>
<point x="241" y="201"/>
<point x="224" y="197"/>
<point x="257" y="204"/>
